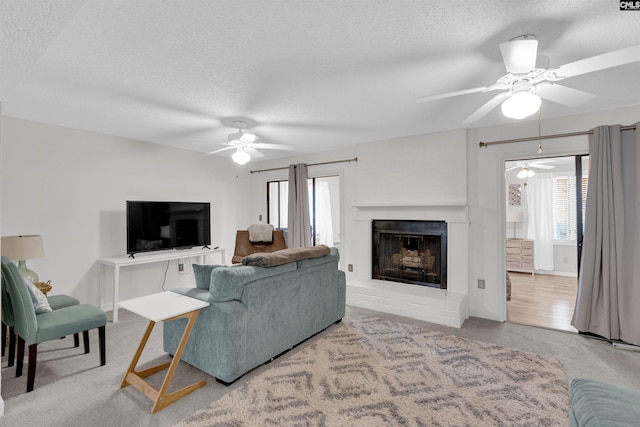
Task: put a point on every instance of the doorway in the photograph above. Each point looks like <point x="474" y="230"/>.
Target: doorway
<point x="545" y="222"/>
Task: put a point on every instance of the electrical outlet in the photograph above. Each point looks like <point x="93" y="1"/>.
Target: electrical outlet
<point x="180" y="267"/>
<point x="350" y="267"/>
<point x="259" y="217"/>
<point x="480" y="283"/>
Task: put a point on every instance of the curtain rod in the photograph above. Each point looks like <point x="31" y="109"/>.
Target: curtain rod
<point x="536" y="138"/>
<point x="355" y="159"/>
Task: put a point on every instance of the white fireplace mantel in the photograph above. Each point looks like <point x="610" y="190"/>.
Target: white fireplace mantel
<point x="449" y="307"/>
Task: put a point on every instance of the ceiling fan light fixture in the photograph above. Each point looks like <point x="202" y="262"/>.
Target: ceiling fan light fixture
<point x="240" y="156"/>
<point x="521" y="104"/>
<point x="525" y="173"/>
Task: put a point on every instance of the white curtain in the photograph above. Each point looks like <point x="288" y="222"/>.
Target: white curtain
<point x="299" y="225"/>
<point x="324" y="225"/>
<point x="539" y="196"/>
<point x="608" y="302"/>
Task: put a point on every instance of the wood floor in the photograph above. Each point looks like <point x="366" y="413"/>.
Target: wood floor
<point x="544" y="300"/>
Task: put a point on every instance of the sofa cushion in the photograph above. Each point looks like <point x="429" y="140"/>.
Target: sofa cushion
<point x="202" y="274"/>
<point x="285" y="256"/>
<point x="594" y="403"/>
<point x="227" y="283"/>
<point x="196" y="293"/>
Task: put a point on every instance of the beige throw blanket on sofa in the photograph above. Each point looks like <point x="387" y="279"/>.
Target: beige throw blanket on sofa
<point x="284" y="256"/>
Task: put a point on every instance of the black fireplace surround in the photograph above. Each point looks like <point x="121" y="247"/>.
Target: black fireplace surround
<point x="410" y="251"/>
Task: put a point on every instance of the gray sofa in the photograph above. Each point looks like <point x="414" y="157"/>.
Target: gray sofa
<point x="257" y="313"/>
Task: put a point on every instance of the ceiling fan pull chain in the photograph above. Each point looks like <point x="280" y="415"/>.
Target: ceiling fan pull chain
<point x="539" y="125"/>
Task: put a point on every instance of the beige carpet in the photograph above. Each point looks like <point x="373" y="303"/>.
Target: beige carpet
<point x="373" y="372"/>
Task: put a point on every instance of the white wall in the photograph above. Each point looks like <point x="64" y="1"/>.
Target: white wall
<point x="71" y="186"/>
<point x="422" y="169"/>
<point x="1" y="156"/>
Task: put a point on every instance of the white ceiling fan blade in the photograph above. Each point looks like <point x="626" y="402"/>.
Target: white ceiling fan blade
<point x="248" y="138"/>
<point x="253" y="152"/>
<point x="219" y="150"/>
<point x="487" y="107"/>
<point x="540" y="166"/>
<point x="599" y="62"/>
<point x="519" y="56"/>
<point x="563" y="94"/>
<point x="452" y="94"/>
<point x="268" y="146"/>
<point x="512" y="168"/>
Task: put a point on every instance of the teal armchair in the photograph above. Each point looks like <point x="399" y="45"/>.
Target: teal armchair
<point x="56" y="302"/>
<point x="32" y="329"/>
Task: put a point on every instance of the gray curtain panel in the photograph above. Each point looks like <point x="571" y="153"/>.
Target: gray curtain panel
<point x="608" y="302"/>
<point x="299" y="234"/>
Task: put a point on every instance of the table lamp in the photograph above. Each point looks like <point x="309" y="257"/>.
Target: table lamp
<point x="515" y="216"/>
<point x="22" y="248"/>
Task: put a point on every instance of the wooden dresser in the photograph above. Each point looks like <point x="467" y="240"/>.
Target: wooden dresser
<point x="520" y="255"/>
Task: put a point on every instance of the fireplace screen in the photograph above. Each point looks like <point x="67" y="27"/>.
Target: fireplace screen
<point x="410" y="252"/>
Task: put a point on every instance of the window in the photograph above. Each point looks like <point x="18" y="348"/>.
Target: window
<point x="324" y="208"/>
<point x="564" y="206"/>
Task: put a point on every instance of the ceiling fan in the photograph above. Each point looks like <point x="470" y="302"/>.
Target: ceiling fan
<point x="526" y="167"/>
<point x="524" y="84"/>
<point x="246" y="145"/>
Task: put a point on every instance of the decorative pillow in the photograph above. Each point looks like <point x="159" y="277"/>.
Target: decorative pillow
<point x="260" y="233"/>
<point x="40" y="301"/>
<point x="202" y="274"/>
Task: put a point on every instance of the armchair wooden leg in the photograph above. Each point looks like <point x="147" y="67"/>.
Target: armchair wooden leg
<point x="103" y="347"/>
<point x="12" y="346"/>
<point x="20" y="357"/>
<point x="31" y="374"/>
<point x="85" y="339"/>
<point x="76" y="340"/>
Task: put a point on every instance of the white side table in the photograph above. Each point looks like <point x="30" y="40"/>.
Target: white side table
<point x="163" y="306"/>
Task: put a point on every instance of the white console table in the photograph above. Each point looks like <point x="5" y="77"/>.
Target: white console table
<point x="147" y="258"/>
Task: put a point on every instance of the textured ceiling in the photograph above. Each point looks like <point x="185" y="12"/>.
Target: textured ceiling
<point x="318" y="75"/>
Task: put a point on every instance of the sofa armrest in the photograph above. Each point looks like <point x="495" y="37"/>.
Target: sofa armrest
<point x="594" y="403"/>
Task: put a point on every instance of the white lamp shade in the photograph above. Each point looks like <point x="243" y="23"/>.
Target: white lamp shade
<point x="241" y="157"/>
<point x="515" y="216"/>
<point x="19" y="248"/>
<point x="521" y="104"/>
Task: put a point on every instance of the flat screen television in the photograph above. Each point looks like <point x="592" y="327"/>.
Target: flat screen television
<point x="154" y="226"/>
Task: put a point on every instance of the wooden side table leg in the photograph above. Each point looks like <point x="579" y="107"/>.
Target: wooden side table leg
<point x="136" y="357"/>
<point x="164" y="397"/>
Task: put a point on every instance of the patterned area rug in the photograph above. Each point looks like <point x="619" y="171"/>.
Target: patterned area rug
<point x="374" y="372"/>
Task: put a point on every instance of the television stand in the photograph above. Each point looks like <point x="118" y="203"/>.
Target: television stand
<point x="118" y="262"/>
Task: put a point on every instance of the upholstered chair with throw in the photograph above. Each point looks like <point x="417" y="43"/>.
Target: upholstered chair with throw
<point x="55" y="302"/>
<point x="258" y="238"/>
<point x="34" y="328"/>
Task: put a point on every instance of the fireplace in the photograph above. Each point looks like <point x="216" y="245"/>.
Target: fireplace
<point x="410" y="251"/>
